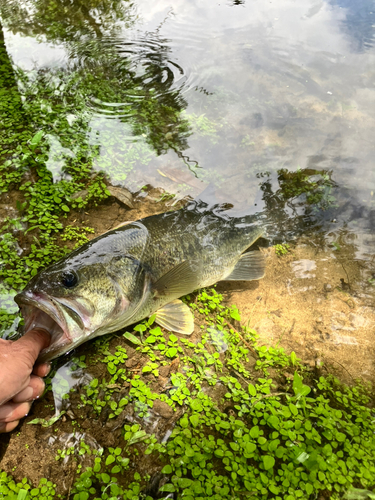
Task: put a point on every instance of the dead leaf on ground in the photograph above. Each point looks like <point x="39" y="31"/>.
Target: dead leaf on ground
<point x="122" y="194"/>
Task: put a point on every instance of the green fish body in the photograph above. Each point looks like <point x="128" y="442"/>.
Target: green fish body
<point x="136" y="270"/>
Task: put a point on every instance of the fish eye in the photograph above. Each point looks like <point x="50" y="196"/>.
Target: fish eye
<point x="69" y="279"/>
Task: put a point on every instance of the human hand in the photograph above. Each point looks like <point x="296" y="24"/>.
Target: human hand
<point x="20" y="381"/>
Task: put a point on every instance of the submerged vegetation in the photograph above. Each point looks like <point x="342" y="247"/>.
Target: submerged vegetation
<point x="249" y="420"/>
<point x="315" y="185"/>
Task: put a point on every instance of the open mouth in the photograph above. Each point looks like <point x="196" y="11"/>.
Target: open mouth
<point x="40" y="311"/>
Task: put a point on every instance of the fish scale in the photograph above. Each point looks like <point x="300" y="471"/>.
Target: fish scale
<point x="214" y="244"/>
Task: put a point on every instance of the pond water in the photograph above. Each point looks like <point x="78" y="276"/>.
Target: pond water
<point x="264" y="107"/>
<point x="199" y="94"/>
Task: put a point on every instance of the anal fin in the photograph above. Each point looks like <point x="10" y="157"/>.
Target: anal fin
<point x="251" y="266"/>
<point x="176" y="317"/>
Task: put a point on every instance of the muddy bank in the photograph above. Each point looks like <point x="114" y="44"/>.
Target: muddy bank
<point x="317" y="302"/>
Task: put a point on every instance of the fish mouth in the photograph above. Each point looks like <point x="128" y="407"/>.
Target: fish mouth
<point x="41" y="311"/>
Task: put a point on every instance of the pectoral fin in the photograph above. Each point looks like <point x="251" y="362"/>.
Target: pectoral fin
<point x="178" y="281"/>
<point x="251" y="266"/>
<point x="176" y="317"/>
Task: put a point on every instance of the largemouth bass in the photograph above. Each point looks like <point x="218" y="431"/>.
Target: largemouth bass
<point x="136" y="270"/>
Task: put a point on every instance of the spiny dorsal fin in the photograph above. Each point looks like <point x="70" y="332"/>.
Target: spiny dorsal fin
<point x="123" y="224"/>
<point x="251" y="266"/>
<point x="178" y="281"/>
<point x="120" y="225"/>
<point x="176" y="317"/>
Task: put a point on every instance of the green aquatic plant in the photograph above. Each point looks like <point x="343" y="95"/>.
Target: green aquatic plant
<point x="10" y="490"/>
<point x="76" y="234"/>
<point x="282" y="249"/>
<point x="285" y="437"/>
<point x="47" y="423"/>
<point x="166" y="197"/>
<point x="247" y="142"/>
<point x="255" y="438"/>
<point x="203" y="126"/>
<point x="316" y="185"/>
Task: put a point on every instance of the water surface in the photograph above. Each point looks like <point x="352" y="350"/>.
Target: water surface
<point x="223" y="93"/>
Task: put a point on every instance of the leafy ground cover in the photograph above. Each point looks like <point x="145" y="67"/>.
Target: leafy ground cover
<point x="245" y="420"/>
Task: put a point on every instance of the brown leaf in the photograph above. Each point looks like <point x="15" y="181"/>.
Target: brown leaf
<point x="122" y="194"/>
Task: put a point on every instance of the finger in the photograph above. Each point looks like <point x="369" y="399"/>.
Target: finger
<point x="42" y="370"/>
<point x="14" y="411"/>
<point x="32" y="343"/>
<point x="31" y="392"/>
<point x="8" y="426"/>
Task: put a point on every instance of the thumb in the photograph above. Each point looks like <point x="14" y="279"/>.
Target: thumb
<point x="17" y="360"/>
<point x="30" y="345"/>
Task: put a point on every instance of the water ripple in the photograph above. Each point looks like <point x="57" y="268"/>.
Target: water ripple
<point x="130" y="71"/>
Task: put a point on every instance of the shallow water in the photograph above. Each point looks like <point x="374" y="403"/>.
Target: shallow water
<point x="199" y="95"/>
<point x="262" y="86"/>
